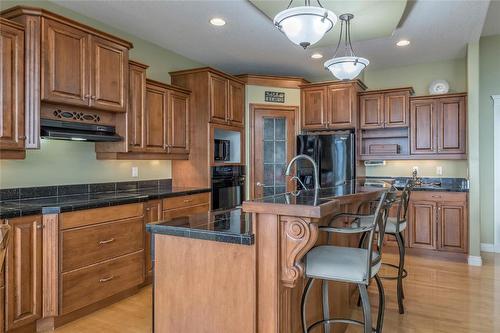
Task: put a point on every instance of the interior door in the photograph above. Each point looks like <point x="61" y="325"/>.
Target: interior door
<point x="273" y="146"/>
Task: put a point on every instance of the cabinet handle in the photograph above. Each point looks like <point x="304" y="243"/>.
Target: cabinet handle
<point x="148" y="209"/>
<point x="102" y="280"/>
<point x="93" y="97"/>
<point x="187" y="200"/>
<point x="87" y="96"/>
<point x="436" y="196"/>
<point x="107" y="241"/>
<point x="40" y="226"/>
<point x="22" y="137"/>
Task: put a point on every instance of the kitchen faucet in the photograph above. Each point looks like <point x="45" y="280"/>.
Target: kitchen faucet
<point x="315" y="166"/>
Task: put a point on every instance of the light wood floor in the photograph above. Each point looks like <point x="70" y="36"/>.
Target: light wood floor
<point x="441" y="297"/>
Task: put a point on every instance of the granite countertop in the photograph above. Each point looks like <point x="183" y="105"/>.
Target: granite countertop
<point x="227" y="226"/>
<point x="429" y="184"/>
<point x="65" y="203"/>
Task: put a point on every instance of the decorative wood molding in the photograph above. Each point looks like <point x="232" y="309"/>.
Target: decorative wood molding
<point x="297" y="237"/>
<point x="496" y="167"/>
<point x="50" y="265"/>
<point x="208" y="70"/>
<point x="273" y="81"/>
<point x="340" y="83"/>
<point x="386" y="91"/>
<point x="167" y="86"/>
<point x="438" y="96"/>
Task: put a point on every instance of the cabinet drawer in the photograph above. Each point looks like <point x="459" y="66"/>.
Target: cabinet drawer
<point x="99" y="215"/>
<point x="97" y="282"/>
<point x="186" y="201"/>
<point x="438" y="196"/>
<point x="174" y="213"/>
<point x="92" y="244"/>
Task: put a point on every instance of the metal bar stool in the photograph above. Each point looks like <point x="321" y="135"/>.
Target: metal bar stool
<point x="352" y="265"/>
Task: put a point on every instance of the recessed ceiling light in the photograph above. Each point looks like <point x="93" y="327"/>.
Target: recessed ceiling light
<point x="403" y="42"/>
<point x="217" y="21"/>
<point x="316" y="56"/>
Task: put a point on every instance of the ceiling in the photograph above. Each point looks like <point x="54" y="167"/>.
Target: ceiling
<point x="492" y="23"/>
<point x="249" y="42"/>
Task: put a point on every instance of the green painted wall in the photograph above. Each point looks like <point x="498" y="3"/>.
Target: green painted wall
<point x="426" y="168"/>
<point x="419" y="76"/>
<point x="489" y="84"/>
<point x="39" y="166"/>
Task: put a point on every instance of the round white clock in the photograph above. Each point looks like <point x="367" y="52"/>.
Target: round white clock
<point x="439" y="87"/>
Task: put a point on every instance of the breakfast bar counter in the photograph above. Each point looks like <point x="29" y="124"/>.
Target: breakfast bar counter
<point x="244" y="273"/>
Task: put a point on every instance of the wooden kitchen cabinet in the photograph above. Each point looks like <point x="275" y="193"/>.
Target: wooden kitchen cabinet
<point x="439" y="126"/>
<point x="12" y="136"/>
<point x="385" y="108"/>
<point x="438" y="221"/>
<point x="137" y="105"/>
<point x="81" y="69"/>
<point x="23" y="272"/>
<point x="178" y="122"/>
<point x="330" y="105"/>
<point x="153" y="214"/>
<point x="155" y="119"/>
<point x="227" y="100"/>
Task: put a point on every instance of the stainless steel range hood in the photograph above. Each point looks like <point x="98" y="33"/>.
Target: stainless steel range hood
<point x="65" y="130"/>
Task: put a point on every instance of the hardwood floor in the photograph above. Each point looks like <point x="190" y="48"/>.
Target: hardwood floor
<point x="441" y="297"/>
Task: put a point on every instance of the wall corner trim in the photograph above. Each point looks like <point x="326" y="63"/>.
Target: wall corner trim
<point x="496" y="167"/>
<point x="475" y="261"/>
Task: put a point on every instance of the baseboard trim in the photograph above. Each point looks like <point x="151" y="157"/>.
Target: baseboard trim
<point x="490" y="247"/>
<point x="475" y="261"/>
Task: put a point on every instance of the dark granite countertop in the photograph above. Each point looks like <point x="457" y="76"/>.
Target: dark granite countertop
<point x="227" y="226"/>
<point x="64" y="203"/>
<point x="429" y="184"/>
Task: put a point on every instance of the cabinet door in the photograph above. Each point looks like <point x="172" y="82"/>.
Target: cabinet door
<point x="65" y="65"/>
<point x="218" y="98"/>
<point x="24" y="272"/>
<point x="12" y="82"/>
<point x="109" y="75"/>
<point x="341" y="111"/>
<point x="396" y="107"/>
<point x="452" y="124"/>
<point x="137" y="107"/>
<point x="453" y="228"/>
<point x="153" y="214"/>
<point x="156" y="119"/>
<point x="423" y="127"/>
<point x="236" y="104"/>
<point x="178" y="121"/>
<point x="371" y="111"/>
<point x="422" y="223"/>
<point x="314" y="108"/>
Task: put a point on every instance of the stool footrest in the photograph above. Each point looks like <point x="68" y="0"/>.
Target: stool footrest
<point x="405" y="273"/>
<point x="336" y="321"/>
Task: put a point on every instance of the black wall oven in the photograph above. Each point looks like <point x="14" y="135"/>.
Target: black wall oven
<point x="228" y="186"/>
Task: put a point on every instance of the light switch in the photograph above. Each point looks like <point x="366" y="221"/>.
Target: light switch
<point x="135" y="172"/>
<point x="439" y="170"/>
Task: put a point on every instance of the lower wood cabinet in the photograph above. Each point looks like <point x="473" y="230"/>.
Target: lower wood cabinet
<point x="153" y="211"/>
<point x="23" y="272"/>
<point x="185" y="205"/>
<point x="438" y="221"/>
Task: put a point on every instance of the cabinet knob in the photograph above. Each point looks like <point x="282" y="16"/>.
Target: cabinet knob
<point x="40" y="226"/>
<point x="93" y="97"/>
<point x="22" y="137"/>
<point x="148" y="209"/>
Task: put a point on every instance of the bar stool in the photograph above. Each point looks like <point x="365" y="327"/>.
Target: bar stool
<point x="352" y="265"/>
<point x="4" y="241"/>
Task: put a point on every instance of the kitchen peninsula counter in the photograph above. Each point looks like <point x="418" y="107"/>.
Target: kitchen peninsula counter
<point x="200" y="280"/>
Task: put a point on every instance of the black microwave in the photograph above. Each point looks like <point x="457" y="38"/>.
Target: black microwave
<point x="222" y="150"/>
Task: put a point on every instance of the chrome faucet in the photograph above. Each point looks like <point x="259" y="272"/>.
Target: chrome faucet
<point x="298" y="181"/>
<point x="315" y="166"/>
<point x="416" y="180"/>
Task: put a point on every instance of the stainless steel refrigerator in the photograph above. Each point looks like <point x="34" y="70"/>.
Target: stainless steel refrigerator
<point x="334" y="152"/>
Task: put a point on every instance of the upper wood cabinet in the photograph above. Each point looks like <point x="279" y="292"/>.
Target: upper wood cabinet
<point x="12" y="136"/>
<point x="227" y="100"/>
<point x="23" y="272"/>
<point x="439" y="126"/>
<point x="178" y="122"/>
<point x="137" y="105"/>
<point x="330" y="105"/>
<point x="438" y="221"/>
<point x="81" y="69"/>
<point x="385" y="108"/>
<point x="155" y="119"/>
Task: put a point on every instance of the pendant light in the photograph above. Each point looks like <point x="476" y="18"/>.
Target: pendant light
<point x="348" y="66"/>
<point x="305" y="25"/>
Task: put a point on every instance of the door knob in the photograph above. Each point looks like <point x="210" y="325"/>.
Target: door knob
<point x="259" y="184"/>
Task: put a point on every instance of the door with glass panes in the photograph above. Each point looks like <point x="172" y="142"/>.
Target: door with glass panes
<point x="273" y="146"/>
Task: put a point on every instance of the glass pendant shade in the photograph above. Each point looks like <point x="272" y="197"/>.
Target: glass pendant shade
<point x="305" y="25"/>
<point x="346" y="68"/>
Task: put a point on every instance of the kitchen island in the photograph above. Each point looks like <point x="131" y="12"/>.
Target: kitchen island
<point x="244" y="272"/>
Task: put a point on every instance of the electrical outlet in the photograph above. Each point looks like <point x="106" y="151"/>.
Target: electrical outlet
<point x="415" y="168"/>
<point x="439" y="170"/>
<point x="135" y="172"/>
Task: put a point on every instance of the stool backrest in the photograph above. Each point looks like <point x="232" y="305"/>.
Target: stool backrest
<point x="379" y="221"/>
<point x="4" y="242"/>
<point x="404" y="201"/>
